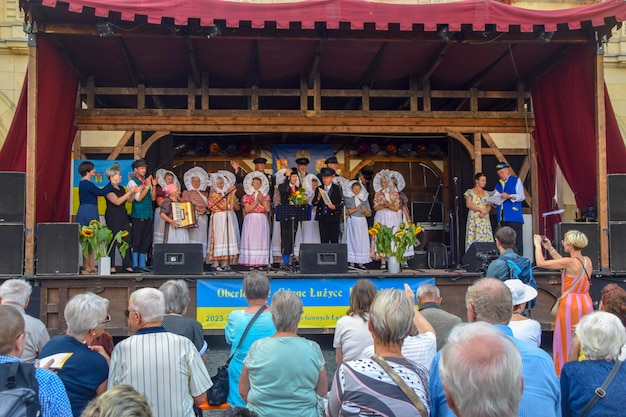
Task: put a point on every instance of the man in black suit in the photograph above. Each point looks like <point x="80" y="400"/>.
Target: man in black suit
<point x="288" y="227"/>
<point x="329" y="201"/>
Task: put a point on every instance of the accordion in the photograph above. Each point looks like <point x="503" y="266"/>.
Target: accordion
<point x="184" y="213"/>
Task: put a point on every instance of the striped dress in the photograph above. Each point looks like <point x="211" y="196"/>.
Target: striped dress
<point x="571" y="309"/>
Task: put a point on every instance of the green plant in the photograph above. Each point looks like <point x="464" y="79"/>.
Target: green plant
<point x="298" y="198"/>
<point x="394" y="241"/>
<point x="99" y="240"/>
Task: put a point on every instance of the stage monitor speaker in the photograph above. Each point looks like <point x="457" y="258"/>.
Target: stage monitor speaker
<point x="470" y="262"/>
<point x="13" y="197"/>
<point x="323" y="258"/>
<point x="616" y="192"/>
<point x="12" y="253"/>
<point x="421" y="209"/>
<point x="590" y="230"/>
<point x="617" y="243"/>
<point x="178" y="259"/>
<point x="58" y="248"/>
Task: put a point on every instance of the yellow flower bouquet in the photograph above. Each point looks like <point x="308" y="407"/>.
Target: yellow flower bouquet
<point x="299" y="197"/>
<point x="99" y="239"/>
<point x="394" y="241"/>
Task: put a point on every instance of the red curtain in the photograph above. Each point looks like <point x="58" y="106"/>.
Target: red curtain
<point x="563" y="102"/>
<point x="57" y="87"/>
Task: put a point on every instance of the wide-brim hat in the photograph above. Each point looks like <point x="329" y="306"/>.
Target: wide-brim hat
<point x="520" y="292"/>
<point x="347" y="190"/>
<point x="229" y="176"/>
<point x="281" y="175"/>
<point x="302" y="161"/>
<point x="197" y="172"/>
<point x="376" y="184"/>
<point x="259" y="161"/>
<point x="327" y="172"/>
<point x="331" y="160"/>
<point x="139" y="163"/>
<point x="400" y="180"/>
<point x="160" y="175"/>
<point x="247" y="183"/>
<point x="307" y="183"/>
<point x="501" y="165"/>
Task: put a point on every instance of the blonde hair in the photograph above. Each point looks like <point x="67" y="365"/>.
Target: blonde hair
<point x="118" y="401"/>
<point x="576" y="238"/>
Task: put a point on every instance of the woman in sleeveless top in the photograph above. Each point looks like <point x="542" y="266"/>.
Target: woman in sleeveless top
<point x="576" y="272"/>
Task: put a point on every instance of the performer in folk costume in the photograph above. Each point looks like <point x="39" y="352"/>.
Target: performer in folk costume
<point x="329" y="202"/>
<point x="287" y="226"/>
<point x="259" y="166"/>
<point x="255" y="233"/>
<point x="141" y="214"/>
<point x="338" y="179"/>
<point x="302" y="164"/>
<point x="173" y="233"/>
<point x="275" y="196"/>
<point x="197" y="181"/>
<point x="404" y="216"/>
<point x="310" y="230"/>
<point x="164" y="178"/>
<point x="507" y="197"/>
<point x="386" y="206"/>
<point x="365" y="177"/>
<point x="223" y="226"/>
<point x="357" y="210"/>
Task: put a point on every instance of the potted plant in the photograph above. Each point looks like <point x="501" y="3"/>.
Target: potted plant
<point x="98" y="239"/>
<point x="392" y="242"/>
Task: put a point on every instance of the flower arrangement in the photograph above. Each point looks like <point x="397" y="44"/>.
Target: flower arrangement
<point x="394" y="241"/>
<point x="299" y="197"/>
<point x="99" y="239"/>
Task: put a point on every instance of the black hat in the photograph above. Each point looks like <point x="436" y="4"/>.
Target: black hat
<point x="259" y="161"/>
<point x="331" y="160"/>
<point x="302" y="161"/>
<point x="139" y="163"/>
<point x="327" y="172"/>
<point x="368" y="173"/>
<point x="501" y="165"/>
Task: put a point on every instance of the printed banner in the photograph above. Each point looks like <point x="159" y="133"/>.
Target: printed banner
<point x="325" y="300"/>
<point x="285" y="156"/>
<point x="99" y="179"/>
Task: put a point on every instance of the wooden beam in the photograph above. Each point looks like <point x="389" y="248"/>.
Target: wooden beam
<point x="478" y="153"/>
<point x="137" y="139"/>
<point x="489" y="140"/>
<point x="193" y="62"/>
<point x="600" y="121"/>
<point x="466" y="143"/>
<point x="153" y="138"/>
<point x="32" y="93"/>
<point x="315" y="65"/>
<point x="120" y="145"/>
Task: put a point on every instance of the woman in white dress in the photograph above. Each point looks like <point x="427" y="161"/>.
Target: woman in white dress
<point x="196" y="181"/>
<point x="398" y="182"/>
<point x="523" y="328"/>
<point x="164" y="178"/>
<point x="223" y="228"/>
<point x="357" y="210"/>
<point x="386" y="206"/>
<point x="255" y="232"/>
<point x="172" y="232"/>
<point x="309" y="232"/>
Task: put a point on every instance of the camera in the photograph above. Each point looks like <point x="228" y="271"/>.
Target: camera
<point x="486" y="258"/>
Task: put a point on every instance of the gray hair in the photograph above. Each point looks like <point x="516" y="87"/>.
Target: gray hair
<point x="149" y="302"/>
<point x="425" y="289"/>
<point x="391" y="315"/>
<point x="16" y="291"/>
<point x="491" y="299"/>
<point x="112" y="170"/>
<point x="256" y="286"/>
<point x="481" y="382"/>
<point x="176" y="294"/>
<point x="601" y="335"/>
<point x="286" y="310"/>
<point x="118" y="401"/>
<point x="85" y="311"/>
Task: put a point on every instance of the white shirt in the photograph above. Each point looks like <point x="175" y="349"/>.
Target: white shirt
<point x="528" y="331"/>
<point x="420" y="349"/>
<point x="352" y="336"/>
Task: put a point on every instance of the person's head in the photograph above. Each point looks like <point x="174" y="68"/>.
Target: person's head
<point x="384" y="182"/>
<point x="171" y="190"/>
<point x="86" y="314"/>
<point x="15" y="291"/>
<point x="503" y="171"/>
<point x="480" y="180"/>
<point x="140" y="166"/>
<point x="12" y="338"/>
<point x="391" y="317"/>
<point x="520" y="293"/>
<point x="238" y="412"/>
<point x="327" y="176"/>
<point x="574" y="239"/>
<point x="488" y="299"/>
<point x="259" y="164"/>
<point x="332" y="163"/>
<point x="176" y="295"/>
<point x="481" y="382"/>
<point x="256" y="183"/>
<point x="195" y="182"/>
<point x="219" y="182"/>
<point x="356" y="187"/>
<point x="609" y="290"/>
<point x="85" y="167"/>
<point x="169" y="178"/>
<point x="286" y="311"/>
<point x="601" y="335"/>
<point x="302" y="164"/>
<point x="146" y="305"/>
<point x="256" y="286"/>
<point x="428" y="293"/>
<point x="294" y="179"/>
<point x="361" y="298"/>
<point x="113" y="173"/>
<point x="505" y="238"/>
<point x="314" y="183"/>
<point x="118" y="401"/>
<point x="616" y="304"/>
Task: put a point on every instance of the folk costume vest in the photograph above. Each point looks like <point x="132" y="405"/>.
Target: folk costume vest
<point x="509" y="211"/>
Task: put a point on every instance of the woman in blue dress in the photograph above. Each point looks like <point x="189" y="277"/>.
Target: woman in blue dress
<point x="88" y="194"/>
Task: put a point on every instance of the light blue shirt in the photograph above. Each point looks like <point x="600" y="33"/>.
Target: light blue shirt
<point x="542" y="392"/>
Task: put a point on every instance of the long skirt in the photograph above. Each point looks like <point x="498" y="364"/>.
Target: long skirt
<point x="309" y="232"/>
<point x="159" y="227"/>
<point x="276" y="244"/>
<point x="255" y="240"/>
<point x="175" y="235"/>
<point x="223" y="236"/>
<point x="358" y="240"/>
<point x="200" y="234"/>
<point x="388" y="218"/>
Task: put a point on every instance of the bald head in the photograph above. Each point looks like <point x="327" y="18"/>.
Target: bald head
<point x="489" y="300"/>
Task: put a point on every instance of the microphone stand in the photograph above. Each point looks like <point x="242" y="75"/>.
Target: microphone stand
<point x="457" y="244"/>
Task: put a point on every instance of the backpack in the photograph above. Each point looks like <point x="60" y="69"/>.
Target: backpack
<point x="521" y="268"/>
<point x="437" y="255"/>
<point x="19" y="390"/>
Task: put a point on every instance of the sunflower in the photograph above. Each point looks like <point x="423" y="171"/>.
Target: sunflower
<point x="377" y="225"/>
<point x="86" y="232"/>
<point x="95" y="223"/>
<point x="124" y="233"/>
<point x="372" y="231"/>
<point x="399" y="234"/>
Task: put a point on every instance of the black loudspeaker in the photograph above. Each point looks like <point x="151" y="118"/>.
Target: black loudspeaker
<point x="616" y="192"/>
<point x="617" y="243"/>
<point x="57" y="248"/>
<point x="420" y="211"/>
<point x="178" y="259"/>
<point x="13" y="197"/>
<point x="12" y="252"/>
<point x="323" y="258"/>
<point x="590" y="230"/>
<point x="470" y="262"/>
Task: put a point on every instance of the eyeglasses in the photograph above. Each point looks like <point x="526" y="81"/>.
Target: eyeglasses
<point x="107" y="320"/>
<point x="127" y="313"/>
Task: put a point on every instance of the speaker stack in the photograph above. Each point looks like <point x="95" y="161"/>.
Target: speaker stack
<point x="323" y="258"/>
<point x="617" y="221"/>
<point x="57" y="248"/>
<point x="12" y="217"/>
